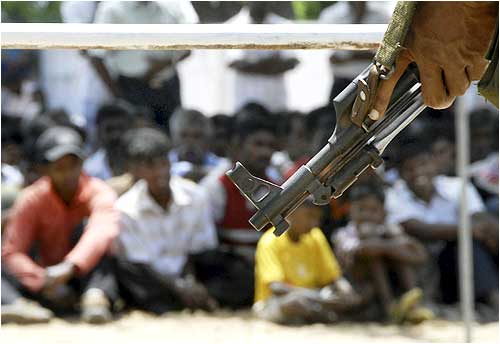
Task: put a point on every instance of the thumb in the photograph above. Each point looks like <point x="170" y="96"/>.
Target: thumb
<point x="386" y="87"/>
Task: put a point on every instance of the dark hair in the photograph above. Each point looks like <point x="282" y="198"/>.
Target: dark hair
<point x="362" y="190"/>
<point x="251" y="118"/>
<point x="320" y="117"/>
<point x="438" y="130"/>
<point x="146" y="144"/>
<point x="483" y="117"/>
<point x="31" y="129"/>
<point x="221" y="120"/>
<point x="285" y="120"/>
<point x="11" y="130"/>
<point x="185" y="118"/>
<point x="411" y="146"/>
<point x="118" y="108"/>
<point x="253" y="107"/>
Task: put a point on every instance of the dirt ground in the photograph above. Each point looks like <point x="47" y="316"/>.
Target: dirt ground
<point x="138" y="327"/>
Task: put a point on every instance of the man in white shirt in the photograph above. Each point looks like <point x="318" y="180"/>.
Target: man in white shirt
<point x="144" y="77"/>
<point x="260" y="74"/>
<point x="427" y="207"/>
<point x="164" y="221"/>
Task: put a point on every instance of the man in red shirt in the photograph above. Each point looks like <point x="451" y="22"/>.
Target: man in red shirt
<point x="254" y="143"/>
<point x="45" y="217"/>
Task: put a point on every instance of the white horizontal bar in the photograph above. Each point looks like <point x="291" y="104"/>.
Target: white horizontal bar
<point x="190" y="36"/>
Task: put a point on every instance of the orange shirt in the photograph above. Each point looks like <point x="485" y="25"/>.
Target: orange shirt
<point x="40" y="216"/>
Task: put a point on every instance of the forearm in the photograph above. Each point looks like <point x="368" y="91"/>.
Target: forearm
<point x="429" y="232"/>
<point x="408" y="256"/>
<point x="281" y="288"/>
<point x="407" y="250"/>
<point x="99" y="234"/>
<point x="104" y="75"/>
<point x="159" y="65"/>
<point x="25" y="270"/>
<point x="157" y="68"/>
<point x="374" y="247"/>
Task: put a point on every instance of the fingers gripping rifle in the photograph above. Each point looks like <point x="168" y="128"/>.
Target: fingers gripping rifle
<point x="350" y="150"/>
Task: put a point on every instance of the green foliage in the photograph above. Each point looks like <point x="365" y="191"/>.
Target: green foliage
<point x="31" y="12"/>
<point x="309" y="10"/>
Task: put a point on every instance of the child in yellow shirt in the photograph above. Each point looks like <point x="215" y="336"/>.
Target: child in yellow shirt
<point x="297" y="278"/>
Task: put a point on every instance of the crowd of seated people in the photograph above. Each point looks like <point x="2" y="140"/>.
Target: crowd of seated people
<point x="81" y="231"/>
<point x="139" y="214"/>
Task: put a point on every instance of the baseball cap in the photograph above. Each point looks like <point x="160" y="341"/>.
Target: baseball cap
<point x="56" y="142"/>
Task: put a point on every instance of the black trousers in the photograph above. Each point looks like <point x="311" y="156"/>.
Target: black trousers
<point x="228" y="278"/>
<point x="162" y="101"/>
<point x="143" y="288"/>
<point x="485" y="269"/>
<point x="101" y="277"/>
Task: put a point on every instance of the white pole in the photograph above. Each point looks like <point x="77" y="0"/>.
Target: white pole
<point x="190" y="36"/>
<point x="464" y="235"/>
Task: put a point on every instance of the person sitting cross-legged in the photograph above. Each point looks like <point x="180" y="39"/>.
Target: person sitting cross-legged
<point x="371" y="250"/>
<point x="165" y="224"/>
<point x="297" y="278"/>
<point x="47" y="261"/>
<point x="427" y="206"/>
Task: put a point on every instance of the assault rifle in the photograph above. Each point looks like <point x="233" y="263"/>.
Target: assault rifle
<point x="352" y="148"/>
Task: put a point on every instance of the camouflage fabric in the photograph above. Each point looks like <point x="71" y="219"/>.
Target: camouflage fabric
<point x="396" y="32"/>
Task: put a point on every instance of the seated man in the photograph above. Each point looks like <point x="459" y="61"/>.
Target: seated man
<point x="427" y="206"/>
<point x="46" y="217"/>
<point x="297" y="278"/>
<point x="111" y="121"/>
<point x="255" y="141"/>
<point x="164" y="221"/>
<point x="191" y="133"/>
<point x="369" y="248"/>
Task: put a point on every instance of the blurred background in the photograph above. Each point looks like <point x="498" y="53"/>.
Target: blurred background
<point x="213" y="103"/>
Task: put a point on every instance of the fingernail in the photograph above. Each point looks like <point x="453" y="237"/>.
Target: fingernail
<point x="374" y="115"/>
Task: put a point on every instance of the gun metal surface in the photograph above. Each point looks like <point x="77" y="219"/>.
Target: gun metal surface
<point x="349" y="152"/>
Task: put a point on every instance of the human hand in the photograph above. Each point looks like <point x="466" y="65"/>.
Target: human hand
<point x="58" y="274"/>
<point x="368" y="230"/>
<point x="485" y="229"/>
<point x="340" y="293"/>
<point x="448" y="42"/>
<point x="194" y="295"/>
